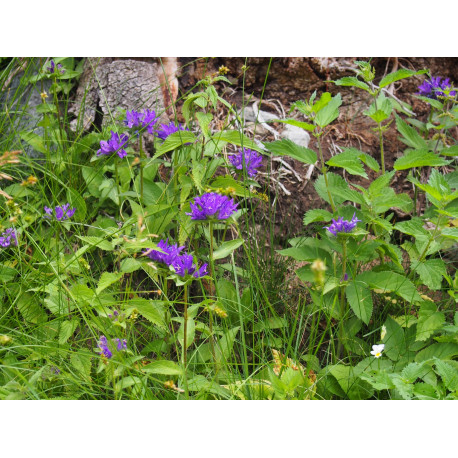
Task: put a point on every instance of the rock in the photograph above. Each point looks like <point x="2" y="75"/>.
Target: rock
<point x="297" y="135"/>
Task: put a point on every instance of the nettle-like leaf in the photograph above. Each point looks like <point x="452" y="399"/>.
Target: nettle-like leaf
<point x="329" y="112"/>
<point x="431" y="272"/>
<point x="381" y="110"/>
<point x="410" y="136"/>
<point x="360" y="299"/>
<point x="349" y="161"/>
<point x="352" y="81"/>
<point x="286" y="147"/>
<point x="174" y="141"/>
<point x="296" y="123"/>
<point x="317" y="215"/>
<point x="429" y="320"/>
<point x="448" y="374"/>
<point x="236" y="138"/>
<point x="399" y="75"/>
<point x="419" y="158"/>
<point x="107" y="279"/>
<point x="338" y="188"/>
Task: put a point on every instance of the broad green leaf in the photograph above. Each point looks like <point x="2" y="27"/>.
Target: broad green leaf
<point x="360" y="299"/>
<point x="329" y="113"/>
<point x="286" y="147"/>
<point x="431" y="272"/>
<point x="317" y="215"/>
<point x="413" y="227"/>
<point x="338" y="188"/>
<point x="388" y="199"/>
<point x="296" y="123"/>
<point x="351" y="384"/>
<point x="163" y="367"/>
<point x="448" y="373"/>
<point x="225" y="344"/>
<point x="130" y="265"/>
<point x="399" y="75"/>
<point x="270" y="323"/>
<point x="451" y="151"/>
<point x="349" y="161"/>
<point x="353" y="82"/>
<point x="93" y="179"/>
<point x="34" y="140"/>
<point x="419" y="158"/>
<point x="30" y="309"/>
<point x="236" y="138"/>
<point x="7" y="273"/>
<point x="107" y="279"/>
<point x="190" y="333"/>
<point x="174" y="141"/>
<point x="429" y="321"/>
<point x="127" y="382"/>
<point x="67" y="328"/>
<point x="450" y="232"/>
<point x="412" y="371"/>
<point x="204" y="122"/>
<point x="153" y="311"/>
<point x="381" y="110"/>
<point x="82" y="363"/>
<point x="410" y="136"/>
<point x="395" y="345"/>
<point x="380" y="183"/>
<point x="325" y="98"/>
<point x="389" y="281"/>
<point x="226" y="248"/>
<point x="441" y="350"/>
<point x="99" y="242"/>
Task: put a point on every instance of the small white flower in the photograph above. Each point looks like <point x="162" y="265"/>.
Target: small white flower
<point x="377" y="350"/>
<point x="383" y="333"/>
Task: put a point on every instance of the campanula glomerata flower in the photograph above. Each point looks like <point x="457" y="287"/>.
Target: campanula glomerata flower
<point x="212" y="206"/>
<point x="168" y="253"/>
<point x="168" y="129"/>
<point x="61" y="213"/>
<point x="435" y="87"/>
<point x="116" y="145"/>
<point x="145" y="118"/>
<point x="248" y="159"/>
<point x="8" y="237"/>
<point x="342" y="225"/>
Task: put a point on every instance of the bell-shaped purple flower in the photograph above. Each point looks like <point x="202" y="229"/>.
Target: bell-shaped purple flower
<point x="168" y="129"/>
<point x="183" y="265"/>
<point x="8" y="237"/>
<point x="116" y="144"/>
<point x="52" y="68"/>
<point x="61" y="213"/>
<point x="247" y="158"/>
<point x="435" y="87"/>
<point x="106" y="348"/>
<point x="342" y="225"/>
<point x="140" y="119"/>
<point x="170" y="252"/>
<point x="212" y="206"/>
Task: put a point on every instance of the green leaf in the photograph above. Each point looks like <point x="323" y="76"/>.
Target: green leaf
<point x="107" y="279"/>
<point x="389" y="281"/>
<point x="204" y="120"/>
<point x="163" y="367"/>
<point x="413" y="227"/>
<point x="380" y="183"/>
<point x="226" y="248"/>
<point x="271" y="323"/>
<point x="410" y="136"/>
<point x="296" y="123"/>
<point x="360" y="299"/>
<point x="130" y="265"/>
<point x="174" y="141"/>
<point x="225" y="344"/>
<point x="389" y="199"/>
<point x="380" y="111"/>
<point x="190" y="332"/>
<point x="395" y="345"/>
<point x="448" y="373"/>
<point x="452" y="151"/>
<point x="99" y="242"/>
<point x="236" y="138"/>
<point x="431" y="272"/>
<point x="67" y="328"/>
<point x="450" y="232"/>
<point x="30" y="309"/>
<point x="317" y="215"/>
<point x="351" y="384"/>
<point x="338" y="188"/>
<point x="329" y="113"/>
<point x="321" y="103"/>
<point x="442" y="350"/>
<point x="348" y="161"/>
<point x="153" y="311"/>
<point x="286" y="147"/>
<point x="7" y="273"/>
<point x="412" y="371"/>
<point x="429" y="321"/>
<point x="35" y="141"/>
<point x="399" y="75"/>
<point x="353" y="82"/>
<point x="419" y="158"/>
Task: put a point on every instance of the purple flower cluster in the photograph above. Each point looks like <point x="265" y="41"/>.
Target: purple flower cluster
<point x="168" y="253"/>
<point x="248" y="159"/>
<point x="61" y="213"/>
<point x="342" y="225"/>
<point x="141" y="119"/>
<point x="169" y="129"/>
<point x="106" y="348"/>
<point x="116" y="144"/>
<point x="212" y="206"/>
<point x="435" y="87"/>
<point x="52" y="68"/>
<point x="8" y="237"/>
<point x="181" y="263"/>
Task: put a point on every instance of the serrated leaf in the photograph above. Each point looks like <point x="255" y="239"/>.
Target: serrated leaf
<point x="107" y="279"/>
<point x="174" y="141"/>
<point x="338" y="188"/>
<point x="34" y="140"/>
<point x="352" y="81"/>
<point x="67" y="328"/>
<point x="360" y="299"/>
<point x="226" y="248"/>
<point x="130" y="265"/>
<point x="153" y="311"/>
<point x="349" y="161"/>
<point x="419" y="158"/>
<point x="99" y="242"/>
<point x="286" y="147"/>
<point x="236" y="138"/>
<point x="413" y="227"/>
<point x="30" y="309"/>
<point x="441" y="350"/>
<point x="431" y="272"/>
<point x="163" y="367"/>
<point x="399" y="75"/>
<point x="296" y="123"/>
<point x="204" y="120"/>
<point x="82" y="363"/>
<point x="317" y="215"/>
<point x="452" y="151"/>
<point x="448" y="373"/>
<point x="429" y="321"/>
<point x="410" y="136"/>
<point x="329" y="113"/>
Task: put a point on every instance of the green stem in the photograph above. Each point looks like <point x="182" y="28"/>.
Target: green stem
<point x="210" y="313"/>
<point x="142" y="157"/>
<point x="323" y="171"/>
<point x="185" y="342"/>
<point x="382" y="154"/>
<point x="343" y="304"/>
<point x="117" y="179"/>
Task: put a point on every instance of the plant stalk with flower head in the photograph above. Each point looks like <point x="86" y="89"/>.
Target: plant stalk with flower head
<point x="246" y="160"/>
